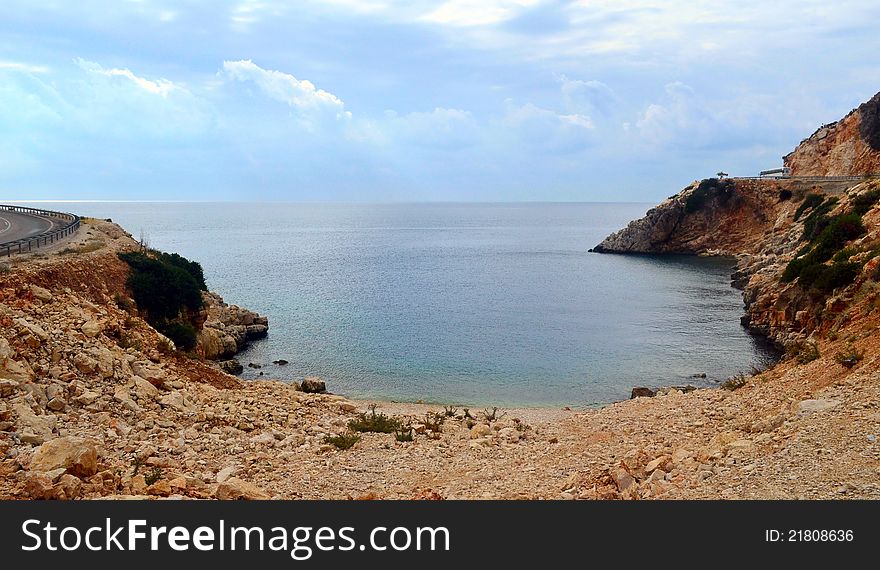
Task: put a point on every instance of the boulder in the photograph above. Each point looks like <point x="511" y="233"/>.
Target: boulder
<point x="76" y="455"/>
<point x="92" y="328"/>
<point x="33" y="428"/>
<point x="806" y="407"/>
<point x="480" y="430"/>
<point x="231" y="366"/>
<point x="234" y="488"/>
<point x="313" y="385"/>
<point x="642" y="392"/>
<point x="43" y="295"/>
<point x="175" y="400"/>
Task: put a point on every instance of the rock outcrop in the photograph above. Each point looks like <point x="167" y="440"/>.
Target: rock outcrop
<point x="850" y="146"/>
<point x="762" y="224"/>
<point x="227" y="329"/>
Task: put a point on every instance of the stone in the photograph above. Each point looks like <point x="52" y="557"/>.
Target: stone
<point x="56" y="404"/>
<point x="509" y="434"/>
<point x="87" y="397"/>
<point x="313" y="385"/>
<point x="161" y="488"/>
<point x="31" y="423"/>
<point x="225" y="473"/>
<point x="178" y="483"/>
<point x="806" y="407"/>
<point x="661" y="463"/>
<point x="642" y="392"/>
<point x="480" y="430"/>
<point x="85" y="364"/>
<point x="741" y="445"/>
<point x="39" y="486"/>
<point x="76" y="455"/>
<point x="623" y="479"/>
<point x="40" y="293"/>
<point x="175" y="400"/>
<point x="237" y="489"/>
<point x="92" y="328"/>
<point x="71" y="486"/>
<point x="143" y="389"/>
<point x="263" y="439"/>
<point x="7" y="387"/>
<point x="280" y="362"/>
<point x="232" y="366"/>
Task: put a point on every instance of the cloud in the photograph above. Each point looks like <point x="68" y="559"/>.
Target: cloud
<point x="587" y="97"/>
<point x="547" y="130"/>
<point x="23" y="67"/>
<point x="476" y="12"/>
<point x="440" y="128"/>
<point x="301" y="95"/>
<point x="161" y="87"/>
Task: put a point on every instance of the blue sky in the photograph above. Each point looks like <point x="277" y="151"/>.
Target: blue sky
<point x="375" y="100"/>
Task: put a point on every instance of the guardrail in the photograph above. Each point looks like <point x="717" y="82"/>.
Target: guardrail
<point x="808" y="178"/>
<point x="71" y="223"/>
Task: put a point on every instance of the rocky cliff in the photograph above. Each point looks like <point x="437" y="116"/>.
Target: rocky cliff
<point x="850" y="146"/>
<point x="775" y="228"/>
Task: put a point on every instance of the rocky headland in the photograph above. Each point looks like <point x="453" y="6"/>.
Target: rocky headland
<point x="94" y="402"/>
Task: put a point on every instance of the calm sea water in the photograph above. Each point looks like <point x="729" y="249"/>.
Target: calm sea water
<point x="481" y="304"/>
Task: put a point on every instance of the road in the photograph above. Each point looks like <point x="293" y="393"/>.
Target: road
<point x="15" y="226"/>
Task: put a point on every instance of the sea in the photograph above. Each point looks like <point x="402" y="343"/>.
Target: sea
<point x="474" y="304"/>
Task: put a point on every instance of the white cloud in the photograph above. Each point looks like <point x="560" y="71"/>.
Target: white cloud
<point x="547" y="130"/>
<point x="161" y="87"/>
<point x="476" y="12"/>
<point x="284" y="87"/>
<point x="440" y="128"/>
<point x="23" y="67"/>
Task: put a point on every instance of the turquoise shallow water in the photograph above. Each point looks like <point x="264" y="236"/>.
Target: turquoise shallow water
<point x="460" y="303"/>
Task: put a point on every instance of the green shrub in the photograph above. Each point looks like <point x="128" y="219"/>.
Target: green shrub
<point x="863" y="203"/>
<point x="182" y="334"/>
<point x="404" y="434"/>
<point x="434" y="422"/>
<point x="839" y="231"/>
<point x="836" y="275"/>
<point x="153" y="476"/>
<point x="810" y="201"/>
<point x="707" y="190"/>
<point x="844" y="254"/>
<point x="161" y="286"/>
<point x="734" y="382"/>
<point x="342" y="441"/>
<point x="849" y="357"/>
<point x="810" y="273"/>
<point x="803" y="352"/>
<point x="374" y="422"/>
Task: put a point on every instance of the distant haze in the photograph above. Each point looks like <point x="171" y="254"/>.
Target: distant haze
<point x="392" y="100"/>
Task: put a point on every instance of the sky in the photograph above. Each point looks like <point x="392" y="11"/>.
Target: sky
<point x="392" y="100"/>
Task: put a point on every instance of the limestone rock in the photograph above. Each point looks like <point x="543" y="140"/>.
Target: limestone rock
<point x="234" y="488"/>
<point x="76" y="455"/>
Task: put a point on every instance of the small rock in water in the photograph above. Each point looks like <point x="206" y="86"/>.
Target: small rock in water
<point x="280" y="362"/>
<point x="254" y="365"/>
<point x="642" y="392"/>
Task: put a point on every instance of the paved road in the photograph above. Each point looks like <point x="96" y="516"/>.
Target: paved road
<point x="14" y="225"/>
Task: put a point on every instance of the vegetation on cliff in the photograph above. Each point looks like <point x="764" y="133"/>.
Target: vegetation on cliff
<point x="707" y="190"/>
<point x="827" y="237"/>
<point x="168" y="289"/>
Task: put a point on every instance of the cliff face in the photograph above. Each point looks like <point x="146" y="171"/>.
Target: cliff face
<point x="847" y="147"/>
<point x="725" y="217"/>
<point x="768" y="223"/>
